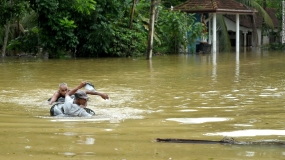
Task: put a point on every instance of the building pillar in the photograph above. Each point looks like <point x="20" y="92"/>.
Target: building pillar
<point x="244" y="38"/>
<point x="210" y="33"/>
<point x="214" y="32"/>
<point x="237" y="68"/>
<point x="237" y="33"/>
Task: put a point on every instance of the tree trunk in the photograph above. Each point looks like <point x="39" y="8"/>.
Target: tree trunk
<point x="254" y="31"/>
<point x="151" y="30"/>
<point x="7" y="28"/>
<point x="18" y="28"/>
<point x="263" y="23"/>
<point x="132" y="14"/>
<point x="157" y="11"/>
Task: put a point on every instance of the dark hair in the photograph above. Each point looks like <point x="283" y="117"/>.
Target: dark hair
<point x="80" y="95"/>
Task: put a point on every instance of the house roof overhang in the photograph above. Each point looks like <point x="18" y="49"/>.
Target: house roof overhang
<point x="245" y="21"/>
<point x="214" y="6"/>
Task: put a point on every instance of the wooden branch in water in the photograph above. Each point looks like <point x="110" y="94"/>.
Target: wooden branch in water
<point x="171" y="140"/>
<point x="225" y="140"/>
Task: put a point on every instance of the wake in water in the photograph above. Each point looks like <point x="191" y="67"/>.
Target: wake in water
<point x="116" y="109"/>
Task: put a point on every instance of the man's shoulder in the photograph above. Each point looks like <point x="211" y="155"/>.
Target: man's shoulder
<point x="68" y="98"/>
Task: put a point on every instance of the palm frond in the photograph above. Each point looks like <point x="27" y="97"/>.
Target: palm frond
<point x="255" y="5"/>
<point x="224" y="38"/>
<point x="29" y="20"/>
<point x="146" y="27"/>
<point x="19" y="27"/>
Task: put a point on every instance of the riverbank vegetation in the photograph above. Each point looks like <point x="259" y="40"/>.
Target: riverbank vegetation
<point x="89" y="28"/>
<point x="93" y="28"/>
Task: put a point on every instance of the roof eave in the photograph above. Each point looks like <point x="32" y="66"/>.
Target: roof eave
<point x="197" y="11"/>
<point x="223" y="11"/>
<point x="235" y="11"/>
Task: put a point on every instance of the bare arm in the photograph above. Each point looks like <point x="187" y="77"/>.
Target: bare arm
<point x="71" y="92"/>
<point x="103" y="95"/>
<point x="54" y="98"/>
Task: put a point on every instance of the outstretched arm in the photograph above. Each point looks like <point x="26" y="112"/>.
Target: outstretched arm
<point x="54" y="98"/>
<point x="103" y="95"/>
<point x="71" y="92"/>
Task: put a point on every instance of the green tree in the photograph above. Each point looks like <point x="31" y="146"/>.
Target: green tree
<point x="78" y="27"/>
<point x="28" y="41"/>
<point x="90" y="29"/>
<point x="177" y="29"/>
<point x="56" y="24"/>
<point x="106" y="32"/>
<point x="11" y="13"/>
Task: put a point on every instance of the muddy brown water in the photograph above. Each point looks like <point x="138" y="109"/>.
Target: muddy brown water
<point x="183" y="96"/>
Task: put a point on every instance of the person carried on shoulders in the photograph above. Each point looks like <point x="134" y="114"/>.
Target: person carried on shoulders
<point x="59" y="95"/>
<point x="75" y="107"/>
<point x="75" y="101"/>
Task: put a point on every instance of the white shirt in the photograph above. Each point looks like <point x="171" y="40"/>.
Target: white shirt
<point x="72" y="109"/>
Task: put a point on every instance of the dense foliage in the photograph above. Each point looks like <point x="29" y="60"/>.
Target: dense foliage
<point x="277" y="4"/>
<point x="89" y="28"/>
<point x="172" y="31"/>
<point x="93" y="28"/>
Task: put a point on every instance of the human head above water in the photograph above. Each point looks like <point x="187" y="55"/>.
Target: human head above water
<point x="81" y="97"/>
<point x="62" y="89"/>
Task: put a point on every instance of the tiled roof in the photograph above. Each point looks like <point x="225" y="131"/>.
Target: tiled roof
<point x="213" y="6"/>
<point x="246" y="22"/>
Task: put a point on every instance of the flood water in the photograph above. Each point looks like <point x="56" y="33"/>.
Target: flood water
<point x="200" y="97"/>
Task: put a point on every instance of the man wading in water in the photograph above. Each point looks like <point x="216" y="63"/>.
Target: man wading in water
<point x="75" y="107"/>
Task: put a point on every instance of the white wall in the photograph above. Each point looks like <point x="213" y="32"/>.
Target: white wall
<point x="265" y="38"/>
<point x="232" y="26"/>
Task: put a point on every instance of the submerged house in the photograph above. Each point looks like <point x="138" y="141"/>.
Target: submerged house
<point x="246" y="29"/>
<point x="237" y="18"/>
